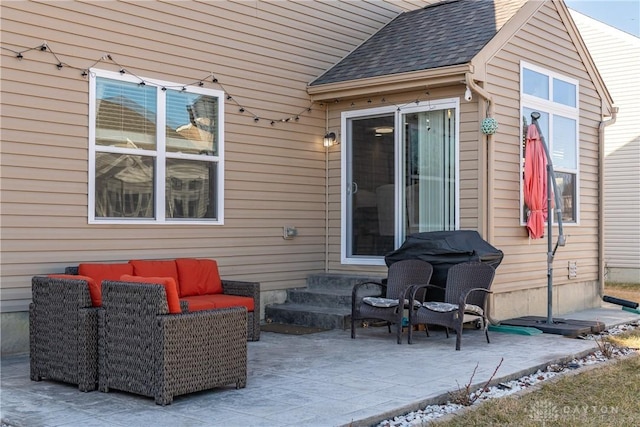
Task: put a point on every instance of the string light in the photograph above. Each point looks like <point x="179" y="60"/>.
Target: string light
<point x="84" y="72"/>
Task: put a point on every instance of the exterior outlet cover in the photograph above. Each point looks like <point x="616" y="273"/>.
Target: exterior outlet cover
<point x="289" y="232"/>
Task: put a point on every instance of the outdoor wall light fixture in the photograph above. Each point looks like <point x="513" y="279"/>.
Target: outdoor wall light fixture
<point x="467" y="94"/>
<point x="329" y="139"/>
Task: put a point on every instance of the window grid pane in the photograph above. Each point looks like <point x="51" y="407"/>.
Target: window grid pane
<point x="536" y="84"/>
<point x="124" y="186"/>
<point x="564" y="92"/>
<point x="125" y="115"/>
<point x="191" y="123"/>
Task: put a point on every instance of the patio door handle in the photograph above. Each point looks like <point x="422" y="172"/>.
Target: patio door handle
<point x="354" y="187"/>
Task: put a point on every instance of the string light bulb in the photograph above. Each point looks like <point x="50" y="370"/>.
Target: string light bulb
<point x="86" y="71"/>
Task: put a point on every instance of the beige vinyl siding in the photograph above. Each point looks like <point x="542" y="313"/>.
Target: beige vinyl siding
<point x="263" y="53"/>
<point x="612" y="51"/>
<point x="543" y="41"/>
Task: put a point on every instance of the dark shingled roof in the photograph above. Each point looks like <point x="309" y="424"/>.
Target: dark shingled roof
<point x="439" y="35"/>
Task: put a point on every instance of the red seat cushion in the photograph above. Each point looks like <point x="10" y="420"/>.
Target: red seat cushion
<point x="208" y="302"/>
<point x="170" y="287"/>
<point x="198" y="277"/>
<point x="155" y="268"/>
<point x="198" y="303"/>
<point x="95" y="291"/>
<point x="100" y="272"/>
<point x="224" y="301"/>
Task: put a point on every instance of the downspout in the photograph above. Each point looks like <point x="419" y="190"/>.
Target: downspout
<point x="326" y="194"/>
<point x="489" y="234"/>
<point x="603" y="124"/>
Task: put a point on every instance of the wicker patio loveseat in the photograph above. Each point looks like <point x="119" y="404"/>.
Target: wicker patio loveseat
<point x="198" y="282"/>
<point x="145" y="349"/>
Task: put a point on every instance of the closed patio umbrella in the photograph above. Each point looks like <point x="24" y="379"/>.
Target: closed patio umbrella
<point x="549" y="183"/>
<point x="535" y="182"/>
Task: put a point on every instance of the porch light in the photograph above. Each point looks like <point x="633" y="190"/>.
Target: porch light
<point x="329" y="139"/>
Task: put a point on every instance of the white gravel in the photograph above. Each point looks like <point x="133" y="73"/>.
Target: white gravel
<point x="431" y="412"/>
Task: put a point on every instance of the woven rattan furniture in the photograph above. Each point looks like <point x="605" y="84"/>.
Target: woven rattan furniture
<point x="63" y="332"/>
<point x="232" y="287"/>
<point x="144" y="350"/>
<point x="466" y="296"/>
<point x="402" y="275"/>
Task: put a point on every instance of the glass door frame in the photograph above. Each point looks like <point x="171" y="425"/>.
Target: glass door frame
<point x="399" y="178"/>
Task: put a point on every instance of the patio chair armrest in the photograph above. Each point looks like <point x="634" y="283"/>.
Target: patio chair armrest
<point x="463" y="297"/>
<point x="357" y="286"/>
<point x="227" y="324"/>
<point x="413" y="289"/>
<point x="241" y="288"/>
<point x="251" y="290"/>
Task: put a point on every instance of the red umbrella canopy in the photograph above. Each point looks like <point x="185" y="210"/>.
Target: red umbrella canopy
<point x="535" y="182"/>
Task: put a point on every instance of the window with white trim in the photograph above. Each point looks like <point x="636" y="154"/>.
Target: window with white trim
<point x="555" y="97"/>
<point x="155" y="151"/>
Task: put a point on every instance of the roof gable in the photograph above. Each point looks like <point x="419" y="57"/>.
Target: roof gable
<point x="444" y="34"/>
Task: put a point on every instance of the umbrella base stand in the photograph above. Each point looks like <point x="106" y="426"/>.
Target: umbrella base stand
<point x="567" y="327"/>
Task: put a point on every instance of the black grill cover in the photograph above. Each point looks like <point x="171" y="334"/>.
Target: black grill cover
<point x="443" y="249"/>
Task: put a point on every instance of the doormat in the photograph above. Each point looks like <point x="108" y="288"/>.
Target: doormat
<point x="282" y="328"/>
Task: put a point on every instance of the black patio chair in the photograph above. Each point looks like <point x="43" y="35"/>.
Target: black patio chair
<point x="466" y="296"/>
<point x="389" y="305"/>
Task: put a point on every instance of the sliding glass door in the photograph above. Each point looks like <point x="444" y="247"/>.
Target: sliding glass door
<point x="399" y="177"/>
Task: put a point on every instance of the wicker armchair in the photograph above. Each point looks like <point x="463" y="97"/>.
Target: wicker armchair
<point x="402" y="275"/>
<point x="144" y="350"/>
<point x="466" y="296"/>
<point x="63" y="332"/>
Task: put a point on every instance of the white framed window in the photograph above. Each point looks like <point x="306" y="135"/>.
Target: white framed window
<point x="156" y="151"/>
<point x="555" y="97"/>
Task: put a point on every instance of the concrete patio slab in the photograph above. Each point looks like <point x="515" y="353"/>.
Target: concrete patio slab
<point x="323" y="379"/>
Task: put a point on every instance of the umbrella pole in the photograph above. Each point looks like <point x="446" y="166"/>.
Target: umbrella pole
<point x="551" y="184"/>
<point x="550" y="253"/>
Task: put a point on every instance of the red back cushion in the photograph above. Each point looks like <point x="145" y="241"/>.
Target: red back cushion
<point x="170" y="287"/>
<point x="198" y="277"/>
<point x="100" y="272"/>
<point x="155" y="268"/>
<point x="95" y="291"/>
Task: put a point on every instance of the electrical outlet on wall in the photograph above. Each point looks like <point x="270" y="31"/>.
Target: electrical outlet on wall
<point x="289" y="232"/>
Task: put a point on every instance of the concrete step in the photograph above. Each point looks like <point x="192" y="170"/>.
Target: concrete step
<point x="338" y="281"/>
<point x="328" y="297"/>
<point x="309" y="315"/>
<point x="324" y="303"/>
